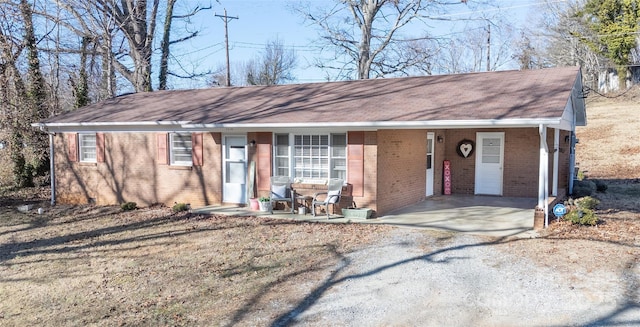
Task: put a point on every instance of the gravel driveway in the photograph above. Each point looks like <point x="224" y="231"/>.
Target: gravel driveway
<point x="447" y="279"/>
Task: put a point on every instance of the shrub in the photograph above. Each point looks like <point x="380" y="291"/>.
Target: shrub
<point x="128" y="206"/>
<point x="581" y="217"/>
<point x="583" y="188"/>
<point x="587" y="202"/>
<point x="264" y="199"/>
<point x="178" y="207"/>
<point x="600" y="186"/>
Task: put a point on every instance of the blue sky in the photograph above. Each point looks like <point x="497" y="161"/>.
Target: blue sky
<point x="263" y="20"/>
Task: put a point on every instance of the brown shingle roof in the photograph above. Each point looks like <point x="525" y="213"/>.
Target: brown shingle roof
<point x="524" y="94"/>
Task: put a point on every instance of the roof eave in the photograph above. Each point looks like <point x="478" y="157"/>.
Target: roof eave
<point x="441" y="124"/>
<point x="188" y="126"/>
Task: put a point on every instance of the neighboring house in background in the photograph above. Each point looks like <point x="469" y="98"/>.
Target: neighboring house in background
<point x="507" y="133"/>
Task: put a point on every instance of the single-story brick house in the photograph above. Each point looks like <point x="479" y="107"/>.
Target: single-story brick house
<point x="507" y="133"/>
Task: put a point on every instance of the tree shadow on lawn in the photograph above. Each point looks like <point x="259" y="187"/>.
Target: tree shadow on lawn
<point x="10" y="251"/>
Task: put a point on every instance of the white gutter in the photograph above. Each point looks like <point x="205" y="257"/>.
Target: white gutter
<point x="93" y="124"/>
<point x="187" y="125"/>
<point x="389" y="124"/>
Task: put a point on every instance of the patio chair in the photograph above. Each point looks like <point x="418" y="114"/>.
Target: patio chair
<point x="281" y="191"/>
<point x="328" y="198"/>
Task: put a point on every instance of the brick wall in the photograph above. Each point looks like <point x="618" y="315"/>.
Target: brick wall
<point x="462" y="169"/>
<point x="401" y="168"/>
<point x="130" y="172"/>
<point x="370" y="179"/>
<point x="521" y="161"/>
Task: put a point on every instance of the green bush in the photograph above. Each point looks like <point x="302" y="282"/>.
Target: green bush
<point x="581" y="216"/>
<point x="587" y="202"/>
<point x="264" y="199"/>
<point x="178" y="207"/>
<point x="600" y="186"/>
<point x="583" y="188"/>
<point x="128" y="206"/>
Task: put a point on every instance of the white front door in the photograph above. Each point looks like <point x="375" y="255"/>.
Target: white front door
<point x="489" y="163"/>
<point x="234" y="169"/>
<point x="430" y="164"/>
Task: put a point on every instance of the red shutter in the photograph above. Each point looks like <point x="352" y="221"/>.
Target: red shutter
<point x="72" y="140"/>
<point x="196" y="149"/>
<point x="100" y="147"/>
<point x="162" y="154"/>
<point x="355" y="165"/>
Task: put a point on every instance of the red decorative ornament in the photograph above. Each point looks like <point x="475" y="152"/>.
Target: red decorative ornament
<point x="447" y="177"/>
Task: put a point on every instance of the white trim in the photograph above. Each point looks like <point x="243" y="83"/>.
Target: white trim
<point x="336" y="127"/>
<point x="291" y="152"/>
<point x="430" y="175"/>
<point x="81" y="157"/>
<point x="543" y="174"/>
<point x="556" y="157"/>
<point x="471" y="123"/>
<point x="478" y="154"/>
<point x="172" y="161"/>
<point x="225" y="190"/>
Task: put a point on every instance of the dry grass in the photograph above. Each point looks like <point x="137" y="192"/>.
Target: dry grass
<point x="609" y="146"/>
<point x="609" y="150"/>
<point x="77" y="266"/>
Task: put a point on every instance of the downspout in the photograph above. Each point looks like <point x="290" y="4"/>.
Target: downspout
<point x="543" y="175"/>
<point x="52" y="171"/>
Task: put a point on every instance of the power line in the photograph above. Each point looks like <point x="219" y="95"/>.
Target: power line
<point x="226" y="18"/>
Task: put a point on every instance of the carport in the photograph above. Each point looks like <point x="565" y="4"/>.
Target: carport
<point x="481" y="215"/>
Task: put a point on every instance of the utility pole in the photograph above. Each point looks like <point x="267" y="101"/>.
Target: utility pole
<point x="225" y="19"/>
<point x="488" y="45"/>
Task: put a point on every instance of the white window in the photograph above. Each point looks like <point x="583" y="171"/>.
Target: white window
<point x="307" y="156"/>
<point x="180" y="149"/>
<point x="87" y="149"/>
<point x="281" y="155"/>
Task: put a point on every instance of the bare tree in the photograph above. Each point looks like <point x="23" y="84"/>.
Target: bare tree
<point x="364" y="35"/>
<point x="23" y="92"/>
<point x="274" y="65"/>
<point x="559" y="33"/>
<point x="124" y="32"/>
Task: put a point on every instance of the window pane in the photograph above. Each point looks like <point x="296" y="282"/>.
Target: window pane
<point x="313" y="156"/>
<point x="282" y="150"/>
<point x="490" y="159"/>
<point x="282" y="139"/>
<point x="87" y="147"/>
<point x="180" y="149"/>
<point x="339" y="139"/>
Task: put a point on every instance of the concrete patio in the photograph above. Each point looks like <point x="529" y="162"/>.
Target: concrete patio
<point x="482" y="215"/>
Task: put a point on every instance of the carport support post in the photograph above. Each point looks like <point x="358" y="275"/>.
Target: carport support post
<point x="543" y="174"/>
<point x="556" y="157"/>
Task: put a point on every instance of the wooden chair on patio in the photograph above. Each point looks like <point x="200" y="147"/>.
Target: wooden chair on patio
<point x="329" y="198"/>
